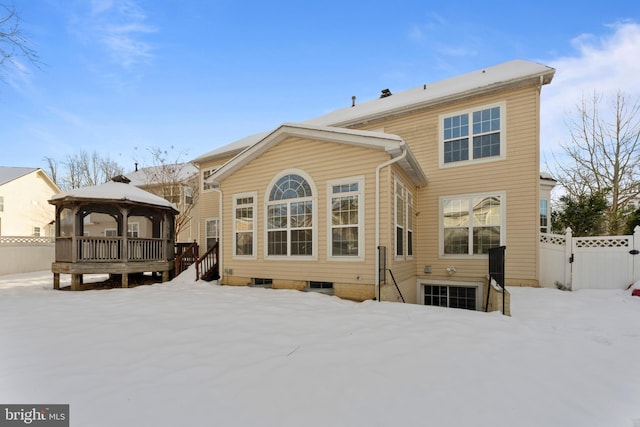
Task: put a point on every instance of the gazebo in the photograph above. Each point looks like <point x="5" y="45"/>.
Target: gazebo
<point x="114" y="228"/>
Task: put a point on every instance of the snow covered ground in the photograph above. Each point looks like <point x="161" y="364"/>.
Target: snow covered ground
<point x="188" y="353"/>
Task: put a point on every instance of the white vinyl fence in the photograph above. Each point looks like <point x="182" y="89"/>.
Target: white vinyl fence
<point x="26" y="254"/>
<point x="602" y="262"/>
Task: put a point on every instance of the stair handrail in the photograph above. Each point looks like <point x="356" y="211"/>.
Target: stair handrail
<point x="396" y="284"/>
<point x="185" y="258"/>
<point x="210" y="261"/>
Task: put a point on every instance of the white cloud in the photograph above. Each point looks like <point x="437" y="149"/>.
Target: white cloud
<point x="119" y="26"/>
<point x="605" y="63"/>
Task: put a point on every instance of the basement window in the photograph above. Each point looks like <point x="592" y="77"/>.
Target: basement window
<point x="258" y="281"/>
<point x="322" y="287"/>
<point x="465" y="297"/>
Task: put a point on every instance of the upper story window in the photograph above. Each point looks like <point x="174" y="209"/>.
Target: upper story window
<point x="206" y="173"/>
<point x="244" y="225"/>
<point x="472" y="135"/>
<point x="346" y="218"/>
<point x="1" y="203"/>
<point x="472" y="224"/>
<point x="171" y="193"/>
<point x="188" y="195"/>
<point x="290" y="219"/>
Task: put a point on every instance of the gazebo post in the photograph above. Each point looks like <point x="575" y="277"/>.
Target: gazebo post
<point x="56" y="280"/>
<point x="76" y="282"/>
<point x="124" y="211"/>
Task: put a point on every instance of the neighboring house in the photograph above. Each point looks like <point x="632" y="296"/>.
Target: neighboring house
<point x="177" y="183"/>
<point x="420" y="183"/>
<point x="24" y="210"/>
<point x="547" y="183"/>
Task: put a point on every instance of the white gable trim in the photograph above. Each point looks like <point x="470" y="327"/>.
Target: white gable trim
<point x="392" y="144"/>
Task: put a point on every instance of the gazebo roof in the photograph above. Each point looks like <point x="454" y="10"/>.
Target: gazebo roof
<point x="116" y="192"/>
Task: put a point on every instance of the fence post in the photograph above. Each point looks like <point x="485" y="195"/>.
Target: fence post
<point x="568" y="257"/>
<point x="636" y="258"/>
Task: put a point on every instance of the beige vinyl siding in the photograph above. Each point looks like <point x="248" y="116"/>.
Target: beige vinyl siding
<point x="517" y="176"/>
<point x="208" y="202"/>
<point x="322" y="162"/>
<point x="403" y="268"/>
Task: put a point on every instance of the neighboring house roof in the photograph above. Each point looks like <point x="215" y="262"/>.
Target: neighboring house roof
<point x="481" y="81"/>
<point x="392" y="144"/>
<point x="113" y="191"/>
<point x="8" y="173"/>
<point x="145" y="176"/>
<point x="547" y="176"/>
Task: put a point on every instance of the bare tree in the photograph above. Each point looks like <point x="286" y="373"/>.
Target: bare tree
<point x="175" y="180"/>
<point x="603" y="154"/>
<point x="82" y="170"/>
<point x="13" y="42"/>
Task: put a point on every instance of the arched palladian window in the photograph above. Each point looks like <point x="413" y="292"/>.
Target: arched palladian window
<point x="290" y="217"/>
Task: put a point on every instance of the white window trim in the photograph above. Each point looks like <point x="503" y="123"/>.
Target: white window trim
<point x="254" y="205"/>
<point x="449" y="283"/>
<point x="314" y="220"/>
<point x="503" y="222"/>
<point x="503" y="135"/>
<point x="409" y="210"/>
<point x="407" y="196"/>
<point x="361" y="224"/>
<point x="133" y="226"/>
<point x="202" y="178"/>
<point x="206" y="236"/>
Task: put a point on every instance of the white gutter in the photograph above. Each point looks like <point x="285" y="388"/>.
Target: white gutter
<point x="377" y="235"/>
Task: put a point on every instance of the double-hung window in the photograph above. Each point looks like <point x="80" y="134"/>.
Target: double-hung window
<point x="244" y="206"/>
<point x="472" y="135"/>
<point x="544" y="216"/>
<point x="290" y="221"/>
<point x="346" y="218"/>
<point x="472" y="224"/>
<point x="212" y="231"/>
<point x="206" y="173"/>
<point x="404" y="213"/>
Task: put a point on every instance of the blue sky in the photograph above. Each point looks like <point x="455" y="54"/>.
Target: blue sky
<point x="123" y="76"/>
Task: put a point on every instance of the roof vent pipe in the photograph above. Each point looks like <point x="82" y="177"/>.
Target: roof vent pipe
<point x="353" y="101"/>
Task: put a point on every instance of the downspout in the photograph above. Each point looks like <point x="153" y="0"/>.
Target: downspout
<point x="377" y="234"/>
<point x="220" y="233"/>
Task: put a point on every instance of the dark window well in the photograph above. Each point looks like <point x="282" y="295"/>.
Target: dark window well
<point x="320" y="285"/>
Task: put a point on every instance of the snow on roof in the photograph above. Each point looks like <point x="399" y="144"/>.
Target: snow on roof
<point x="115" y="191"/>
<point x="425" y="95"/>
<point x="238" y="146"/>
<point x="440" y="91"/>
<point x="9" y="173"/>
<point x="145" y="176"/>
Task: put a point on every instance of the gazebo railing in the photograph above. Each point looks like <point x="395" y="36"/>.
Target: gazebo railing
<point x="109" y="249"/>
<point x="145" y="249"/>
